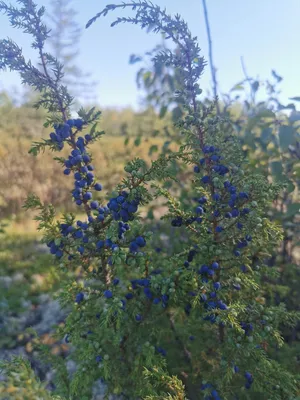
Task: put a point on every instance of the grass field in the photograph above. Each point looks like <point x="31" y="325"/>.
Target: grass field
<point x="22" y="173"/>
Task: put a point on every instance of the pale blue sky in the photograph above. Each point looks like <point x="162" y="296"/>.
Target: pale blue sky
<point x="265" y="32"/>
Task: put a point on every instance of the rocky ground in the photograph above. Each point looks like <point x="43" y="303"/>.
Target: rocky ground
<point x="42" y="315"/>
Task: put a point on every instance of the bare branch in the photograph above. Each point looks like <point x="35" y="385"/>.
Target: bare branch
<point x="210" y="55"/>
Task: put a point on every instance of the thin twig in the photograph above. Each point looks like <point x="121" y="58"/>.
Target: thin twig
<point x="210" y="55"/>
<point x="190" y="387"/>
<point x="248" y="80"/>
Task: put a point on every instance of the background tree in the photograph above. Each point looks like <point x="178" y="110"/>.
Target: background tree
<point x="64" y="44"/>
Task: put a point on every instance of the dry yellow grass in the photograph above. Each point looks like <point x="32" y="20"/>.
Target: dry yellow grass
<point x="22" y="173"/>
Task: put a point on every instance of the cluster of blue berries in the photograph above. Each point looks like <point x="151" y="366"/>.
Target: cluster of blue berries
<point x="248" y="376"/>
<point x="63" y="132"/>
<point x="249" y="380"/>
<point x="161" y="351"/>
<point x="56" y="250"/>
<point x="235" y="200"/>
<point x="136" y="284"/>
<point x="176" y="222"/>
<point x="230" y="198"/>
<point x="247" y="327"/>
<point x="137" y="243"/>
<point x="76" y="233"/>
<point x="107" y="243"/>
<point x="123" y="209"/>
<point x="122" y="228"/>
<point x="78" y="161"/>
<point x="213" y="394"/>
<point x="83" y="179"/>
<point x="219" y="168"/>
<point x="145" y="283"/>
<point x="120" y="208"/>
<point x="210" y="301"/>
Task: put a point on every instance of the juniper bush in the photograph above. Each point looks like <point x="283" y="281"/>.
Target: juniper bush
<point x="187" y="325"/>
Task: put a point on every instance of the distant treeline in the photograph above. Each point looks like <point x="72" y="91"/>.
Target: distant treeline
<point x="115" y="122"/>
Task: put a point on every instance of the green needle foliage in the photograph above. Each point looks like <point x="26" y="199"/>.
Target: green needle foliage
<point x="179" y="322"/>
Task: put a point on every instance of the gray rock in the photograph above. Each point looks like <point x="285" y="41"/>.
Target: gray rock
<point x="9" y="354"/>
<point x="44" y="298"/>
<point x="5" y="281"/>
<point x="71" y="367"/>
<point x="41" y="248"/>
<point x="18" y="277"/>
<point x="51" y="314"/>
<point x="99" y="390"/>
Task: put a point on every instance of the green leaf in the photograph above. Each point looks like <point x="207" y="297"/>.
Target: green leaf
<point x="170" y="80"/>
<point x="286" y="136"/>
<point x="166" y="145"/>
<point x="33" y="151"/>
<point x="137" y="141"/>
<point x="276" y="76"/>
<point x="247" y="105"/>
<point x="249" y="138"/>
<point x="93" y="129"/>
<point x="255" y="86"/>
<point x="146" y="78"/>
<point x="238" y="86"/>
<point x="266" y="114"/>
<point x="163" y="111"/>
<point x="290" y="187"/>
<point x="297" y="98"/>
<point x="257" y="117"/>
<point x="126" y="141"/>
<point x="176" y="113"/>
<point x="153" y="149"/>
<point x="150" y="214"/>
<point x="266" y="135"/>
<point x="292" y="209"/>
<point x="277" y="170"/>
<point x="294" y="116"/>
<point x="134" y="59"/>
<point x="155" y="132"/>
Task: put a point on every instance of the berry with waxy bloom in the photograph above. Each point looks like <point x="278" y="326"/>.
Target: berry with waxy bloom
<point x="108" y="294"/>
<point x="79" y="297"/>
<point x="94" y="205"/>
